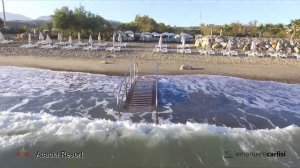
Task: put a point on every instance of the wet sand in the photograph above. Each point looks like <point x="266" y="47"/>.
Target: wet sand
<point x="117" y="66"/>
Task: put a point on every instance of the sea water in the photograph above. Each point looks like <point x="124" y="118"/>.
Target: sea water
<point x="205" y="121"/>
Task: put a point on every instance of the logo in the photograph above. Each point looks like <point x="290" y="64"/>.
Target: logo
<point x="23" y="153"/>
<point x="229" y="154"/>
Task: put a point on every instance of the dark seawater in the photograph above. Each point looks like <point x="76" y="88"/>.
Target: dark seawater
<point x="204" y="121"/>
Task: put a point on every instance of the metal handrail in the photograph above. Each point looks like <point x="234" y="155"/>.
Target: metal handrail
<point x="129" y="78"/>
<point x="156" y="91"/>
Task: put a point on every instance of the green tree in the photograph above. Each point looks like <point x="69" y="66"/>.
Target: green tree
<point x="145" y="23"/>
<point x="71" y="22"/>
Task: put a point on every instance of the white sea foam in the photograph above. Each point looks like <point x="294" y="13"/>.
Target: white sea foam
<point x="93" y="91"/>
<point x="257" y="94"/>
<point x="19" y="129"/>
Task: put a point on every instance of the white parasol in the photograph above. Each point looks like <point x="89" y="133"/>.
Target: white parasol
<point x="114" y="38"/>
<point x="229" y="44"/>
<point x="70" y="40"/>
<point x="183" y="41"/>
<point x="91" y="40"/>
<point x="160" y="41"/>
<point x="41" y="37"/>
<point x="48" y="40"/>
<point x="253" y="46"/>
<point x="119" y="38"/>
<point x="278" y="46"/>
<point x="99" y="38"/>
<point x="29" y="38"/>
<point x="78" y="37"/>
<point x="1" y="37"/>
<point x="59" y="37"/>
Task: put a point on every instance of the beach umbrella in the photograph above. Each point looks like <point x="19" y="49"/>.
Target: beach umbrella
<point x="253" y="46"/>
<point x="99" y="38"/>
<point x="278" y="46"/>
<point x="119" y="38"/>
<point x="114" y="38"/>
<point x="29" y="38"/>
<point x="183" y="41"/>
<point x="48" y="40"/>
<point x="78" y="37"/>
<point x="59" y="37"/>
<point x="70" y="40"/>
<point x="91" y="40"/>
<point x="41" y="37"/>
<point x="229" y="45"/>
<point x="1" y="37"/>
<point x="160" y="41"/>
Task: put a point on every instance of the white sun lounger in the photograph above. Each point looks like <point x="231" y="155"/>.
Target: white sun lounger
<point x="233" y="53"/>
<point x="275" y="55"/>
<point x="49" y="46"/>
<point x="6" y="41"/>
<point x="29" y="46"/>
<point x="211" y="52"/>
<point x="113" y="49"/>
<point x="101" y="45"/>
<point x="70" y="47"/>
<point x="121" y="44"/>
<point x="225" y="53"/>
<point x="96" y="48"/>
<point x="202" y="52"/>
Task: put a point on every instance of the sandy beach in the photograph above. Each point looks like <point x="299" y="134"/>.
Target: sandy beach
<point x="283" y="70"/>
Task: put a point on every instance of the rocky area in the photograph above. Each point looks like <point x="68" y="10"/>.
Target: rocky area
<point x="245" y="44"/>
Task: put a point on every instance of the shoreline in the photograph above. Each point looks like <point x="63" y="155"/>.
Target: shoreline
<point x="287" y="73"/>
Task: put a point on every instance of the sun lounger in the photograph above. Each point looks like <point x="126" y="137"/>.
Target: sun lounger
<point x="113" y="49"/>
<point x="92" y="48"/>
<point x="101" y="45"/>
<point x="29" y="46"/>
<point x="211" y="52"/>
<point x="6" y="41"/>
<point x="233" y="53"/>
<point x="275" y="55"/>
<point x="282" y="55"/>
<point x="225" y="53"/>
<point x="42" y="42"/>
<point x="121" y="45"/>
<point x="294" y="55"/>
<point x="188" y="51"/>
<point x="61" y="43"/>
<point x="49" y="46"/>
<point x="70" y="47"/>
<point x="202" y="52"/>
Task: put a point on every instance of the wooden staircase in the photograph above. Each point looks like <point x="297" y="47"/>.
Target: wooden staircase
<point x="137" y="93"/>
<point x="141" y="96"/>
